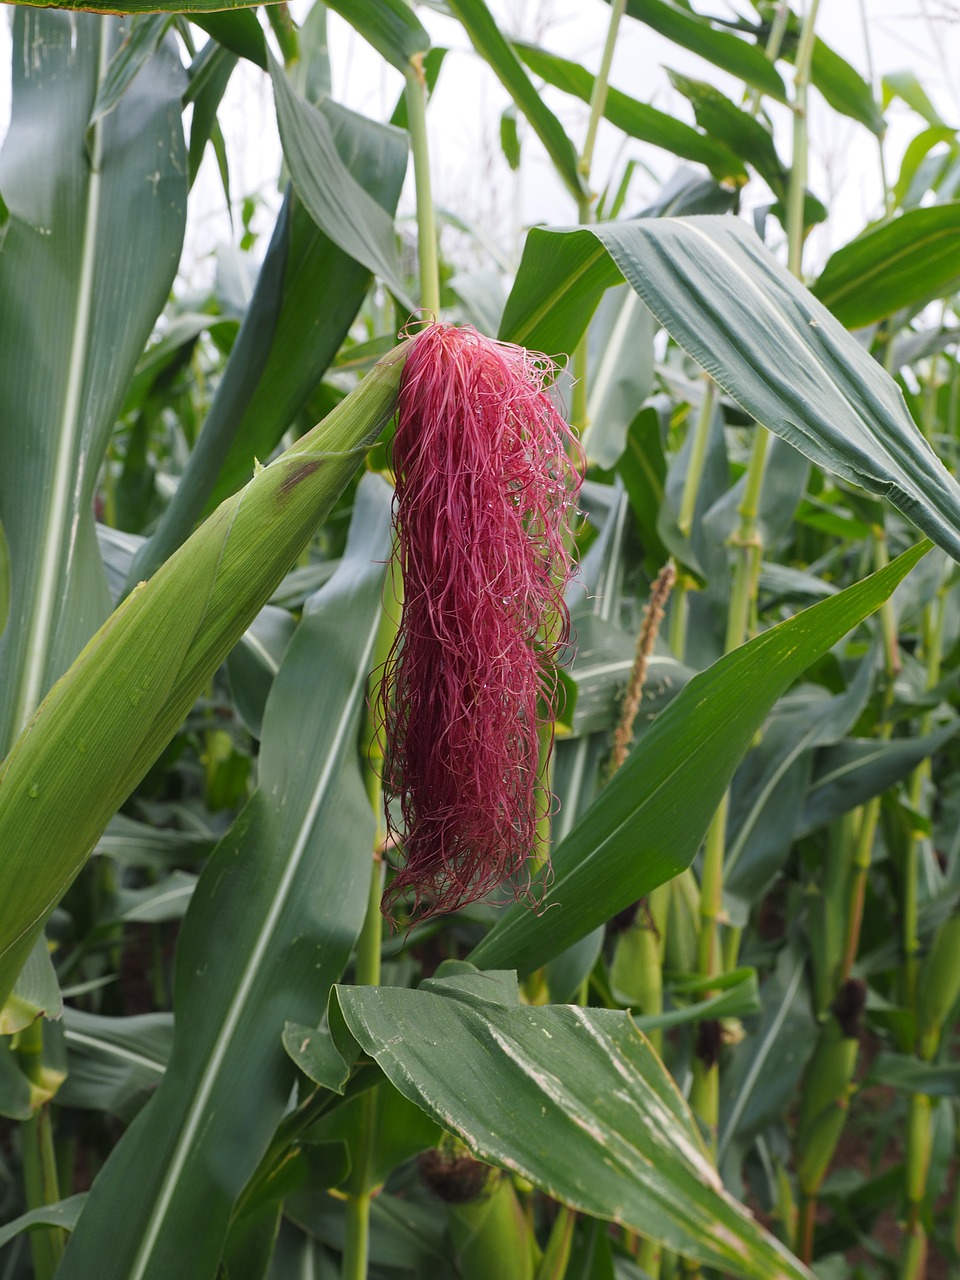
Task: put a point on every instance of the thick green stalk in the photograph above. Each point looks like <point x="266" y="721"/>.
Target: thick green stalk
<point x="916" y="1168"/>
<point x="698" y="453"/>
<point x="367" y="960"/>
<point x="416" y="94"/>
<point x="585" y="202"/>
<point x="933" y="651"/>
<point x="798" y="172"/>
<point x="888" y="201"/>
<point x="870" y="812"/>
<point x="598" y="96"/>
<point x="285" y="30"/>
<point x="37" y="1152"/>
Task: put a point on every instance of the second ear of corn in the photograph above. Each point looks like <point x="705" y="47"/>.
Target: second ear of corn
<point x="827" y="1086"/>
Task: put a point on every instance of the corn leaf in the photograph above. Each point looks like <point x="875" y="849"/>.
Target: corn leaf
<point x="573" y="1099"/>
<point x="745" y="60"/>
<point x="637" y="833"/>
<point x="902" y="263"/>
<point x="108" y="718"/>
<point x="755" y="329"/>
<point x="78" y="299"/>
<point x="287" y="889"/>
<point x="635" y="118"/>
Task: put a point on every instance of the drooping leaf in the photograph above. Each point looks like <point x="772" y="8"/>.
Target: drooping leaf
<point x="342" y="208"/>
<point x="844" y="88"/>
<point x="769" y="343"/>
<point x="849" y="773"/>
<point x="743" y="133"/>
<point x="63" y="1214"/>
<point x="648" y="822"/>
<point x="899" y="1070"/>
<point x="905" y="85"/>
<point x="573" y="1099"/>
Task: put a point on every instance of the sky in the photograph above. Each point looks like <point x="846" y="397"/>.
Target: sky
<point x="470" y="175"/>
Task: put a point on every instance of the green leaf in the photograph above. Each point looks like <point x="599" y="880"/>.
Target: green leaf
<point x="727" y="301"/>
<point x="509" y="137"/>
<point x="389" y="25"/>
<point x="559" y="284"/>
<point x="108" y="718"/>
<point x="223" y="423"/>
<point x="63" y="1214"/>
<point x="271" y="925"/>
<point x="844" y="88"/>
<point x="314" y="1052"/>
<point x="342" y="208"/>
<point x="648" y="823"/>
<point x="322" y="291"/>
<point x="15" y="1100"/>
<point x="636" y="119"/>
<point x="497" y="53"/>
<point x="643" y="470"/>
<point x="208" y="83"/>
<point x="77" y="315"/>
<point x="784" y="358"/>
<point x="254" y="663"/>
<point x="573" y="1099"/>
<point x="735" y="995"/>
<point x="236" y="28"/>
<point x="114" y="1063"/>
<point x="852" y="772"/>
<point x="905" y="85"/>
<point x="741" y="132"/>
<point x="36" y="994"/>
<point x="141" y="43"/>
<point x="900" y="1071"/>
<point x="766" y="1066"/>
<point x="912" y="163"/>
<point x="768" y="793"/>
<point x="402" y="1131"/>
<point x="684" y="27"/>
<point x="904" y="262"/>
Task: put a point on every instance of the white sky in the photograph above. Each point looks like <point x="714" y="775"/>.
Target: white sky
<point x="469" y="173"/>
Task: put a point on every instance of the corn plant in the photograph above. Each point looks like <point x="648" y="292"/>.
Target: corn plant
<point x="669" y="851"/>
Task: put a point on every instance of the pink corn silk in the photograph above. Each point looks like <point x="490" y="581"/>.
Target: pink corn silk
<point x="485" y="487"/>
